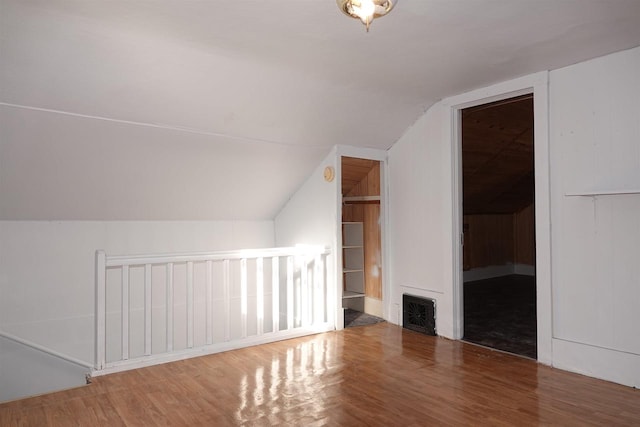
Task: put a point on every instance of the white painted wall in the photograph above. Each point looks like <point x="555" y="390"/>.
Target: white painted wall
<point x="595" y="147"/>
<point x="594" y="134"/>
<point x="420" y="253"/>
<point x="47" y="269"/>
<point x="310" y="217"/>
<point x="25" y="371"/>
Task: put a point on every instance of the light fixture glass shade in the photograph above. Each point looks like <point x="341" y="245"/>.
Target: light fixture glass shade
<point x="365" y="10"/>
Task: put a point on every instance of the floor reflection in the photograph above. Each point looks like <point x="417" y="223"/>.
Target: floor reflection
<point x="366" y="376"/>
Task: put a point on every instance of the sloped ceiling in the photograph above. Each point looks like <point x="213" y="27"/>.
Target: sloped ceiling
<point x="220" y="109"/>
<point x="353" y="172"/>
<point x="497" y="157"/>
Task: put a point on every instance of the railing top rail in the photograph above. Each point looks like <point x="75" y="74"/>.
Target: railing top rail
<point x="120" y="260"/>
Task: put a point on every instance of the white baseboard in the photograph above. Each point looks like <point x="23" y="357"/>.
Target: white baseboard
<point x="373" y="306"/>
<point x="524" y="269"/>
<point x="607" y="364"/>
<point x="493" y="271"/>
<point x="157" y="359"/>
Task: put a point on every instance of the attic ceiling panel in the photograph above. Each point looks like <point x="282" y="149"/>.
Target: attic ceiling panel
<point x="60" y="167"/>
<point x="81" y="58"/>
<point x="354" y="171"/>
<point x="294" y="72"/>
<point x="497" y="150"/>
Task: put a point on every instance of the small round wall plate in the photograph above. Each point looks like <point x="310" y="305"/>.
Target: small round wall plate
<point x="329" y="174"/>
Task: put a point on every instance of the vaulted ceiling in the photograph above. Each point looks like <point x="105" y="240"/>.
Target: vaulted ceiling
<point x="229" y="105"/>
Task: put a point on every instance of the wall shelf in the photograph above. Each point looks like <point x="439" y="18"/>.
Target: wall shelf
<point x="602" y="193"/>
<point x="352" y="265"/>
<point x="351" y="294"/>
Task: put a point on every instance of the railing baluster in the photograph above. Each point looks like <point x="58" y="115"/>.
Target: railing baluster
<point x="169" y="307"/>
<point x="190" y="304"/>
<point x="331" y="292"/>
<point x="319" y="300"/>
<point x="227" y="300"/>
<point x="289" y="292"/>
<point x="275" y="293"/>
<point x="125" y="312"/>
<point x="304" y="293"/>
<point x="209" y="302"/>
<point x="260" y="295"/>
<point x="147" y="309"/>
<point x="101" y="315"/>
<point x="243" y="297"/>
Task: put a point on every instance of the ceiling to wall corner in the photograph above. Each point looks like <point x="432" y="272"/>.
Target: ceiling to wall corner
<point x="262" y="89"/>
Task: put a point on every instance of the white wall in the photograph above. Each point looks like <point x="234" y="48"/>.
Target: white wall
<point x="595" y="148"/>
<point x="420" y="218"/>
<point x="310" y="217"/>
<point x="28" y="372"/>
<point x="594" y="140"/>
<point x="47" y="269"/>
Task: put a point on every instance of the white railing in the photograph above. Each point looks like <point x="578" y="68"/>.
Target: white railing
<point x="157" y="308"/>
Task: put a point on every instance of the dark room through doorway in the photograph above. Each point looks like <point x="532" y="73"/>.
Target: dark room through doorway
<point x="499" y="226"/>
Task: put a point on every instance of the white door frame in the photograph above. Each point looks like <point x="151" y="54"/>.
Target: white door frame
<point x="381" y="156"/>
<point x="538" y="85"/>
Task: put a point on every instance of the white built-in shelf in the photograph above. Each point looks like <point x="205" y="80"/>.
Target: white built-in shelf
<point x="351" y="294"/>
<point x="352" y="262"/>
<point x="602" y="193"/>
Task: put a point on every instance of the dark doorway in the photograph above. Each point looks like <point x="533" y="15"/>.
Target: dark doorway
<point x="499" y="225"/>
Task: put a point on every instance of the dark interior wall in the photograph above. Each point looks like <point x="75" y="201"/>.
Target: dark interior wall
<point x="499" y="239"/>
<point x="488" y="240"/>
<point x="525" y="236"/>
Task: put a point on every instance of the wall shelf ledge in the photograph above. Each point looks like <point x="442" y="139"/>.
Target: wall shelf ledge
<point x="601" y="193"/>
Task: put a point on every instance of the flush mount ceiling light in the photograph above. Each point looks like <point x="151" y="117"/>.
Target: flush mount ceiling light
<point x="365" y="10"/>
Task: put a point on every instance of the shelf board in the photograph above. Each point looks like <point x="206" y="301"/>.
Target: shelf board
<point x="351" y="294"/>
<point x="353" y="270"/>
<point x="603" y="193"/>
<point x="353" y="247"/>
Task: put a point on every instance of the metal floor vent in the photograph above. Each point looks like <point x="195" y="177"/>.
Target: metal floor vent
<point x="419" y="314"/>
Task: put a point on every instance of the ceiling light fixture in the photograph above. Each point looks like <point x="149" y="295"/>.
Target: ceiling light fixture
<point x="365" y="10"/>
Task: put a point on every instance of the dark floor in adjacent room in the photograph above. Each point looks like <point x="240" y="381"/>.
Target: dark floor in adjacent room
<point x="501" y="313"/>
<point x="358" y="318"/>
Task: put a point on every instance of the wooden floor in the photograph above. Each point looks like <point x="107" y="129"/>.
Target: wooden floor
<point x="379" y="375"/>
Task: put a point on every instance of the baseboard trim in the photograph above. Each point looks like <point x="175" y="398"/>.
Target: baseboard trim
<point x="598" y="362"/>
<point x="373" y="306"/>
<point x="494" y="271"/>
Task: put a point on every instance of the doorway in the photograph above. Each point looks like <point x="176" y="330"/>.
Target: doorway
<point x="361" y="241"/>
<point x="498" y="206"/>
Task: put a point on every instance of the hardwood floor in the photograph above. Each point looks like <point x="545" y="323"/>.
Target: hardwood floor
<point x="378" y="375"/>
